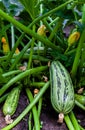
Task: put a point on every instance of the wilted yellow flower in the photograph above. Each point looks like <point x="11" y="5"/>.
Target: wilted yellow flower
<point x="41" y="30"/>
<point x="3" y="40"/>
<point x="17" y="51"/>
<point x="74" y="37"/>
<point x="5" y="45"/>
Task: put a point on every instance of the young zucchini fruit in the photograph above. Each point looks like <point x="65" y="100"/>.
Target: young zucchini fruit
<point x="62" y="91"/>
<point x="11" y="104"/>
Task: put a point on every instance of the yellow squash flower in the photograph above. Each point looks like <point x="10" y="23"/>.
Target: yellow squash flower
<point x="41" y="30"/>
<point x="5" y="45"/>
<point x="74" y="37"/>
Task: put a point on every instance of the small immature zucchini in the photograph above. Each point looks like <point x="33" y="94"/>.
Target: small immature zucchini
<point x="62" y="92"/>
<point x="11" y="102"/>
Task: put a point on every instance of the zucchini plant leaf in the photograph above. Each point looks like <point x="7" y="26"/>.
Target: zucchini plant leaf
<point x="13" y="7"/>
<point x="31" y="6"/>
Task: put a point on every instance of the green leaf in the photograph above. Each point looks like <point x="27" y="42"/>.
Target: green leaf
<point x="13" y="7"/>
<point x="31" y="7"/>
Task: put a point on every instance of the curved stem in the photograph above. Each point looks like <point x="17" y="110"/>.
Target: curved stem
<point x="36" y="57"/>
<point x="39" y="106"/>
<point x="68" y="122"/>
<point x="14" y="48"/>
<point x="34" y="110"/>
<point x="79" y="48"/>
<point x="21" y="76"/>
<point x="3" y="97"/>
<point x="11" y="73"/>
<point x="80" y="105"/>
<point x="83" y="15"/>
<point x="30" y="121"/>
<point x="20" y="55"/>
<point x="74" y="121"/>
<point x="77" y="56"/>
<point x="29" y="107"/>
<point x="54" y="31"/>
<point x="49" y="28"/>
<point x="37" y="84"/>
<point x="31" y="51"/>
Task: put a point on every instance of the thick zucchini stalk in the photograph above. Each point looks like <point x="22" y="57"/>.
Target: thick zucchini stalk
<point x="68" y="122"/>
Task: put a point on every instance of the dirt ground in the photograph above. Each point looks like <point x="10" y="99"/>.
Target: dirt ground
<point x="48" y="117"/>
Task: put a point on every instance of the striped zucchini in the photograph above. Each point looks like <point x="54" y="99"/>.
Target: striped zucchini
<point x="11" y="101"/>
<point x="62" y="92"/>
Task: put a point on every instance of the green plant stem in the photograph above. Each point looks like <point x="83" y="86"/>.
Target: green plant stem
<point x="81" y="128"/>
<point x="39" y="106"/>
<point x="21" y="43"/>
<point x="12" y="35"/>
<point x="80" y="105"/>
<point x="27" y="30"/>
<point x="37" y="84"/>
<point x="81" y="65"/>
<point x="67" y="49"/>
<point x="21" y="76"/>
<point x="34" y="111"/>
<point x="36" y="57"/>
<point x="11" y="73"/>
<point x="77" y="56"/>
<point x="28" y="108"/>
<point x="14" y="48"/>
<point x="54" y="31"/>
<point x="31" y="52"/>
<point x="71" y="52"/>
<point x="20" y="55"/>
<point x="83" y="15"/>
<point x="80" y="98"/>
<point x="74" y="120"/>
<point x="3" y="58"/>
<point x="79" y="48"/>
<point x="53" y="22"/>
<point x="3" y="97"/>
<point x="41" y="11"/>
<point x="48" y="27"/>
<point x="30" y="121"/>
<point x="26" y="56"/>
<point x="68" y="122"/>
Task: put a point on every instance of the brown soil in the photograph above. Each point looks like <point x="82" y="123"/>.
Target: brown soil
<point x="48" y="117"/>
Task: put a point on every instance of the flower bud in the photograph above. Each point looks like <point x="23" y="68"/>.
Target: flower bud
<point x="74" y="37"/>
<point x="41" y="30"/>
<point x="5" y="45"/>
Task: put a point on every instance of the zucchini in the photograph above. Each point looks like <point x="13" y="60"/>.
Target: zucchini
<point x="62" y="91"/>
<point x="11" y="104"/>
